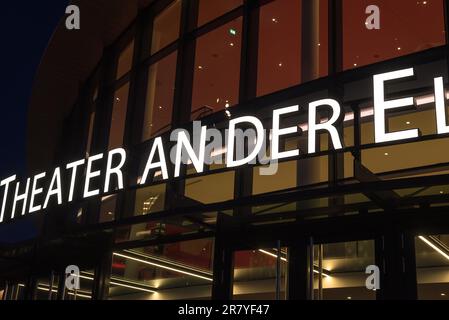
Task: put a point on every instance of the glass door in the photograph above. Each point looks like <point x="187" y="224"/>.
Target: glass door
<point x="339" y="271"/>
<point x="260" y="274"/>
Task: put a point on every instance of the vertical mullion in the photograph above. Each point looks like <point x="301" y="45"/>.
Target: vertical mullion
<point x="183" y="89"/>
<point x="336" y="91"/>
<point x="134" y="112"/>
<point x="243" y="181"/>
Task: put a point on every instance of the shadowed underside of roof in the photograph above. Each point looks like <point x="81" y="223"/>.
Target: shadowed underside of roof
<point x="70" y="58"/>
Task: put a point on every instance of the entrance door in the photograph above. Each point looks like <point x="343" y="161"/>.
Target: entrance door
<point x="338" y="272"/>
<point x="260" y="274"/>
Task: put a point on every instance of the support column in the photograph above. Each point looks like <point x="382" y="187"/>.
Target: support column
<point x="102" y="277"/>
<point x="298" y="271"/>
<point x="395" y="256"/>
<point x="223" y="279"/>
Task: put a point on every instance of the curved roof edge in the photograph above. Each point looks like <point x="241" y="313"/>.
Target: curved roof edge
<point x="69" y="60"/>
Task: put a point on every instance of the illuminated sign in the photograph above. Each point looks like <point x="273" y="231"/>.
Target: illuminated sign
<point x="104" y="173"/>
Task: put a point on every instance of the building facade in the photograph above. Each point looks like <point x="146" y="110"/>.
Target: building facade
<point x="139" y="69"/>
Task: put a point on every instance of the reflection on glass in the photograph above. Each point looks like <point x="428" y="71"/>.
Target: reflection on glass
<point x="166" y="27"/>
<point x="159" y="100"/>
<point x="209" y="10"/>
<point x="90" y="133"/>
<point x="13" y="292"/>
<point x="284" y="177"/>
<point x="217" y="70"/>
<point x="406" y="156"/>
<point x="175" y="271"/>
<point x="107" y="208"/>
<point x="255" y="274"/>
<point x="118" y="120"/>
<point x="150" y="199"/>
<point x="404" y="28"/>
<point x="280" y="49"/>
<point x="204" y="189"/>
<point x="125" y="60"/>
<point x="343" y="270"/>
<point x="432" y="267"/>
<point x="279" y="46"/>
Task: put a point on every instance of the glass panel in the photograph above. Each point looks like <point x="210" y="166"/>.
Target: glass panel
<point x="405" y="27"/>
<point x="166" y="27"/>
<point x="90" y="133"/>
<point x="118" y="120"/>
<point x="149" y="200"/>
<point x="107" y="208"/>
<point x="159" y="100"/>
<point x="280" y="36"/>
<point x="432" y="267"/>
<point x="344" y="265"/>
<point x="170" y="227"/>
<point x="406" y="156"/>
<point x="284" y="177"/>
<point x="421" y="118"/>
<point x="217" y="70"/>
<point x="125" y="60"/>
<point x="255" y="274"/>
<point x="43" y="289"/>
<point x="15" y="292"/>
<point x="209" y="9"/>
<point x="204" y="189"/>
<point x="313" y="170"/>
<point x="175" y="271"/>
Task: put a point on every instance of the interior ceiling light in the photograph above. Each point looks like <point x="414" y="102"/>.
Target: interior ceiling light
<point x="433" y="246"/>
<point x="115" y="283"/>
<point x="163" y="267"/>
<point x="315" y="269"/>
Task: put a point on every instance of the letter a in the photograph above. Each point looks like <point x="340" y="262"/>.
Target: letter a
<point x="373" y="20"/>
<point x="73" y="21"/>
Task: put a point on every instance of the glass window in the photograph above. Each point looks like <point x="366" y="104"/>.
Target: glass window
<point x="343" y="270"/>
<point x="149" y="200"/>
<point x="406" y="156"/>
<point x="210" y="9"/>
<point x="90" y="133"/>
<point x="432" y="267"/>
<point x="108" y="208"/>
<point x="280" y="49"/>
<point x="255" y="274"/>
<point x="159" y="100"/>
<point x="14" y="292"/>
<point x="175" y="271"/>
<point x="204" y="189"/>
<point x="404" y="27"/>
<point x="217" y="69"/>
<point x="125" y="60"/>
<point x="118" y="120"/>
<point x="166" y="27"/>
<point x="284" y="177"/>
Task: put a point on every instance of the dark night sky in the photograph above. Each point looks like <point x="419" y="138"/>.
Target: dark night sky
<point x="25" y="29"/>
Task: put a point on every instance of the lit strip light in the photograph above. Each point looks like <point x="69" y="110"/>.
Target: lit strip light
<point x="175" y="264"/>
<point x="111" y="282"/>
<point x="70" y="293"/>
<point x="121" y="285"/>
<point x="430" y="244"/>
<point x="369" y="112"/>
<point x="285" y="260"/>
<point x="56" y="291"/>
<point x="163" y="267"/>
<point x="131" y="287"/>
